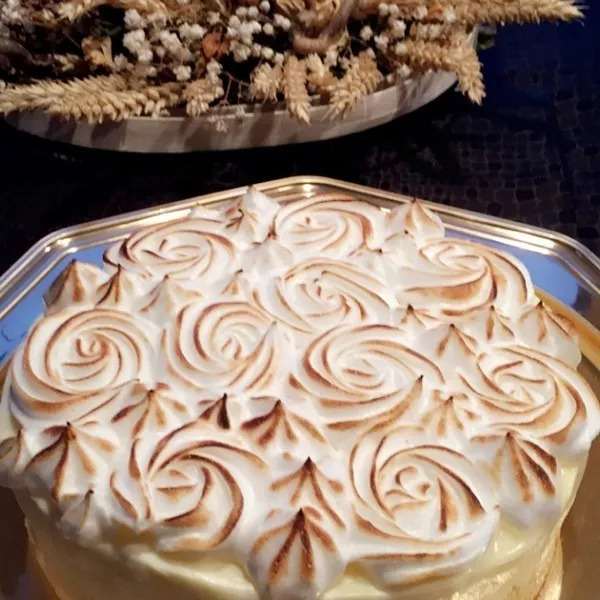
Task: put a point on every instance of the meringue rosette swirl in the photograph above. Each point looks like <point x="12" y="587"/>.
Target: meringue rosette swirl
<point x="329" y="225"/>
<point x="190" y="248"/>
<point x="421" y="508"/>
<point x="539" y="396"/>
<point x="192" y="486"/>
<point x="455" y="277"/>
<point x="317" y="295"/>
<point x="73" y="359"/>
<point x="364" y="376"/>
<point x="413" y="219"/>
<point x="226" y="347"/>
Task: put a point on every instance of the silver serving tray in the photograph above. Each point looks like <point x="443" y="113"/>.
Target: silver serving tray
<point x="559" y="266"/>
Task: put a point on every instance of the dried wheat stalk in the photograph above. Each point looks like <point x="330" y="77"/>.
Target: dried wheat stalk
<point x="94" y="99"/>
<point x="458" y="57"/>
<point x="266" y="82"/>
<point x="362" y="78"/>
<point x="473" y="12"/>
<point x="294" y="89"/>
<point x="319" y="76"/>
<point x="199" y="95"/>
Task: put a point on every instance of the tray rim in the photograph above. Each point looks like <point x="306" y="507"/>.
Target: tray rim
<point x="58" y="237"/>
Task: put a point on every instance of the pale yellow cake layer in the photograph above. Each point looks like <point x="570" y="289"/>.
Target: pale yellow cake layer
<point x="515" y="567"/>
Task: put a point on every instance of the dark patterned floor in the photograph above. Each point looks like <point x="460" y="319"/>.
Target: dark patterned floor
<point x="531" y="153"/>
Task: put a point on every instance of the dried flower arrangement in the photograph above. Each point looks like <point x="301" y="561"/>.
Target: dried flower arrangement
<point x="101" y="60"/>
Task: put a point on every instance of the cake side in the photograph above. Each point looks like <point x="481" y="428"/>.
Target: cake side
<point x="307" y="391"/>
<point x="101" y="573"/>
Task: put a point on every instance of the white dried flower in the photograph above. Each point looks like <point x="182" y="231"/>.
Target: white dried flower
<point x="234" y="21"/>
<point x="279" y="59"/>
<point x="169" y="40"/>
<point x="246" y="32"/>
<point x="213" y="17"/>
<point x="11" y="12"/>
<point x="183" y="73"/>
<point x="134" y="40"/>
<point x="145" y="56"/>
<point x="282" y="22"/>
<point x="121" y="63"/>
<point x="242" y="11"/>
<point x="384" y="9"/>
<point x="449" y="15"/>
<point x="404" y="71"/>
<point x="268" y="53"/>
<point x="265" y="6"/>
<point x="240" y="52"/>
<point x="173" y="44"/>
<point x="398" y="28"/>
<point x="268" y="29"/>
<point x="214" y="67"/>
<point x="382" y="41"/>
<point x="3" y="85"/>
<point x="191" y="33"/>
<point x="133" y="20"/>
<point x="331" y="57"/>
<point x="394" y="10"/>
<point x="256" y="50"/>
<point x="240" y="112"/>
<point x="255" y="26"/>
<point x="252" y="12"/>
<point x="400" y="49"/>
<point x="366" y="33"/>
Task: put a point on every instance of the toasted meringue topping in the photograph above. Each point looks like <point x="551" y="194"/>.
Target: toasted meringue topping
<point x="331" y="225"/>
<point x="419" y="505"/>
<point x="456" y="277"/>
<point x="317" y="295"/>
<point x="187" y="249"/>
<point x="299" y="389"/>
<point x="77" y="284"/>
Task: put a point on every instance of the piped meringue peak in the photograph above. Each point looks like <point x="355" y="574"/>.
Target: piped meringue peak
<point x="300" y="388"/>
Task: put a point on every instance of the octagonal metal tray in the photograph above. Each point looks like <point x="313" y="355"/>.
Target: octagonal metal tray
<point x="562" y="269"/>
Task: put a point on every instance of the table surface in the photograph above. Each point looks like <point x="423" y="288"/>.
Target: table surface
<point x="530" y="153"/>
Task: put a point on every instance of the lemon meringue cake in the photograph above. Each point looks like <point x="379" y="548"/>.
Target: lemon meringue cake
<point x="320" y="399"/>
